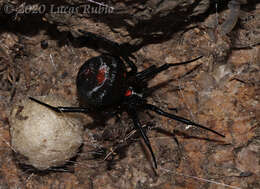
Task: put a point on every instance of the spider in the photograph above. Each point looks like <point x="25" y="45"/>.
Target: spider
<point x="104" y="84"/>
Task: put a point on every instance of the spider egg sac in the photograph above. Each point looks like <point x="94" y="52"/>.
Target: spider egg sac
<point x="43" y="138"/>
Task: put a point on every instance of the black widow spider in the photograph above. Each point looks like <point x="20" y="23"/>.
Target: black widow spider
<point x="103" y="83"/>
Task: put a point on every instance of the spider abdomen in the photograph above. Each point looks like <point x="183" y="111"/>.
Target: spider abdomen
<point x="101" y="81"/>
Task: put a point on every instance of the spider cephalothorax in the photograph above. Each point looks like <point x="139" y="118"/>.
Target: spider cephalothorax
<point x="104" y="82"/>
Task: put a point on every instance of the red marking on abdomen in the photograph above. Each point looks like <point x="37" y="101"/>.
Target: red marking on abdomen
<point x="101" y="75"/>
<point x="128" y="93"/>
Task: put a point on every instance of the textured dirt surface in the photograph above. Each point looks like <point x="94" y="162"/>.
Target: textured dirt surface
<point x="220" y="91"/>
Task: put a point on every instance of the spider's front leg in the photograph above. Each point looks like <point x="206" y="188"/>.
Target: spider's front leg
<point x="178" y="118"/>
<point x="153" y="70"/>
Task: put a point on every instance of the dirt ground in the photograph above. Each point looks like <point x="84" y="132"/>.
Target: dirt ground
<point x="221" y="91"/>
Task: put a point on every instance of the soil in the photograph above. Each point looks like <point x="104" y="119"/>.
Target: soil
<point x="41" y="55"/>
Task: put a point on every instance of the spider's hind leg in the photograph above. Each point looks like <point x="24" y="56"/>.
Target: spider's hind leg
<point x="60" y="109"/>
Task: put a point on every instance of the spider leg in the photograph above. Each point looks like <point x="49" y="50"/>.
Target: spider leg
<point x="60" y="109"/>
<point x="173" y="109"/>
<point x="146" y="71"/>
<point x="176" y="140"/>
<point x="118" y="49"/>
<point x="130" y="64"/>
<point x="138" y="126"/>
<point x="178" y="118"/>
<point x="153" y="70"/>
